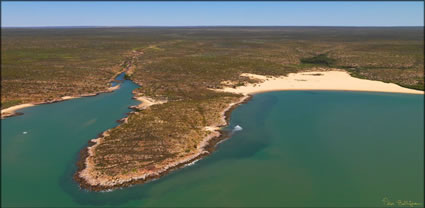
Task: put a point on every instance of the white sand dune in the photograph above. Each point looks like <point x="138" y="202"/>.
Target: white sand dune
<point x="317" y="80"/>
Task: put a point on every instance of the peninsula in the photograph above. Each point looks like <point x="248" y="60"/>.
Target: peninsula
<point x="190" y="80"/>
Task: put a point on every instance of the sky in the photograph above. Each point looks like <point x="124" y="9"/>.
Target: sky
<point x="190" y="13"/>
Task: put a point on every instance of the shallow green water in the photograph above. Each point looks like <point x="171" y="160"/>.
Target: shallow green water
<point x="296" y="148"/>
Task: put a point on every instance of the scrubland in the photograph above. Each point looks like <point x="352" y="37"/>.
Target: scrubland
<point x="180" y="66"/>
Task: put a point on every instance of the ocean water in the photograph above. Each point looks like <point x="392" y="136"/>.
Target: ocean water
<point x="295" y="148"/>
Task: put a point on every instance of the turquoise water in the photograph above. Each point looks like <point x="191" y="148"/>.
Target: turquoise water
<point x="297" y="148"/>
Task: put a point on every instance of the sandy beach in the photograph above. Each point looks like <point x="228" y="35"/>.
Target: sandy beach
<point x="114" y="87"/>
<point x="146" y="102"/>
<point x="11" y="111"/>
<point x="317" y="80"/>
<point x="313" y="80"/>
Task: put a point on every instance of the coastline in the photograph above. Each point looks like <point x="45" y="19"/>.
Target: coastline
<point x="146" y="102"/>
<point x="11" y="111"/>
<point x="312" y="80"/>
<point x="332" y="80"/>
<point x="204" y="148"/>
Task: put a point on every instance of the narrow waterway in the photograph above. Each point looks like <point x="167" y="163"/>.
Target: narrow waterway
<point x="297" y="148"/>
<point x="40" y="148"/>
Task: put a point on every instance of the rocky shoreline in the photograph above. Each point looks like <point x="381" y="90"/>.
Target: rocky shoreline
<point x="206" y="147"/>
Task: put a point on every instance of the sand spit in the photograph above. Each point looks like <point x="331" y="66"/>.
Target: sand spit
<point x="317" y="80"/>
<point x="11" y="111"/>
<point x="114" y="88"/>
<point x="88" y="179"/>
<point x="147" y="102"/>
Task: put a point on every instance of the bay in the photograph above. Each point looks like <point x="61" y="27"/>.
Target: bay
<point x="296" y="148"/>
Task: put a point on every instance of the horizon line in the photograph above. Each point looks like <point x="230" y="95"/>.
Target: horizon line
<point x="94" y="26"/>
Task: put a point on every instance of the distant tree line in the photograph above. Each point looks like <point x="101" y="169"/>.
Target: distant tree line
<point x="321" y="59"/>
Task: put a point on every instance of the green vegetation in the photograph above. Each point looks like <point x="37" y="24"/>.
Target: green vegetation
<point x="126" y="76"/>
<point x="10" y="103"/>
<point x="181" y="65"/>
<point x="321" y="59"/>
<point x="41" y="65"/>
<point x="409" y="77"/>
<point x="38" y="64"/>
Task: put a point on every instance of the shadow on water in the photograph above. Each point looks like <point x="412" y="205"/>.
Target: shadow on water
<point x="238" y="146"/>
